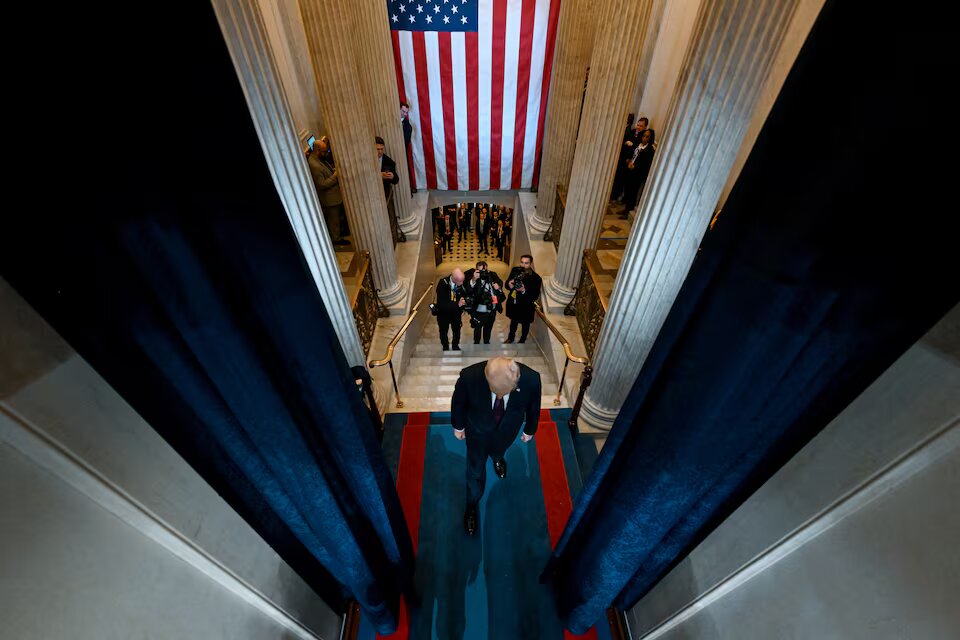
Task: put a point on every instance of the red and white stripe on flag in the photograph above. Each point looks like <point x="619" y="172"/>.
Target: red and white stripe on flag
<point x="478" y="99"/>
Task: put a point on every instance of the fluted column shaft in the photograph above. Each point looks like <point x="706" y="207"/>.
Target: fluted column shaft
<point x="570" y="61"/>
<point x="246" y="37"/>
<point x="374" y="52"/>
<point x="348" y="121"/>
<point x="733" y="47"/>
<point x="613" y="71"/>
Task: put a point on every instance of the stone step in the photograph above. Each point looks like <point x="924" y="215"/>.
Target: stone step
<point x="427" y="377"/>
<point x="412" y="404"/>
<point x="446" y="366"/>
<point x="488" y="350"/>
<point x="446" y="390"/>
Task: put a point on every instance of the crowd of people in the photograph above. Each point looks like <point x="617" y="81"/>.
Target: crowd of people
<point x="481" y="294"/>
<point x="633" y="165"/>
<point x="490" y="225"/>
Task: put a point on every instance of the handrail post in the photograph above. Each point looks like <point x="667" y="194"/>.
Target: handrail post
<point x="584" y="383"/>
<point x="563" y="378"/>
<point x="396" y="389"/>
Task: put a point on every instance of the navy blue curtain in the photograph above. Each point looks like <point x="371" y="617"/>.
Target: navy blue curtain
<point x="166" y="260"/>
<point x="835" y="252"/>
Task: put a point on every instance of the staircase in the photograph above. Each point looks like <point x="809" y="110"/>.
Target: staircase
<point x="428" y="381"/>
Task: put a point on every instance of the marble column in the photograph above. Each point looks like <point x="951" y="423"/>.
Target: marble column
<point x="350" y="128"/>
<point x="374" y="54"/>
<point x="244" y="32"/>
<point x="573" y="44"/>
<point x="730" y="56"/>
<point x="614" y="65"/>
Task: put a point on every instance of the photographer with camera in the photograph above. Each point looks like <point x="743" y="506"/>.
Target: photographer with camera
<point x="484" y="299"/>
<point x="449" y="307"/>
<point x="523" y="289"/>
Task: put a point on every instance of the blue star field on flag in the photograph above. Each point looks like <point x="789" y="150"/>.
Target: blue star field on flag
<point x="451" y="16"/>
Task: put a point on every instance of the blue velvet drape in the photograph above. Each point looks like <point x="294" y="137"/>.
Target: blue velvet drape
<point x="164" y="256"/>
<point x="832" y="256"/>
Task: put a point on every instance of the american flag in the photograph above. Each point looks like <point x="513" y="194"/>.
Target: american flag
<point x="476" y="74"/>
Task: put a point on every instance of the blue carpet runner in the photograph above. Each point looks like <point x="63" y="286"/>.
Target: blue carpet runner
<point x="485" y="586"/>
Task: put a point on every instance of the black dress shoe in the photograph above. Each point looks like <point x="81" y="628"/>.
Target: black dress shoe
<point x="470" y="520"/>
<point x="508" y="341"/>
<point x="500" y="466"/>
<point x="456" y="347"/>
<point x="521" y="340"/>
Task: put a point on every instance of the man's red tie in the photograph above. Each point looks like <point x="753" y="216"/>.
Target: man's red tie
<point x="498" y="411"/>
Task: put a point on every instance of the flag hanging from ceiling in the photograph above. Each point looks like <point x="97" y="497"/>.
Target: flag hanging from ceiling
<point x="476" y="74"/>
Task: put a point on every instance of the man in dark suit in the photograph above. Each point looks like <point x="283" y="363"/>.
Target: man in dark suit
<point x="482" y="227"/>
<point x="491" y="401"/>
<point x="445" y="229"/>
<point x="486" y="291"/>
<point x="463" y="221"/>
<point x="449" y="308"/>
<point x="630" y="141"/>
<point x="523" y="289"/>
<point x="388" y="169"/>
<point x="407" y="134"/>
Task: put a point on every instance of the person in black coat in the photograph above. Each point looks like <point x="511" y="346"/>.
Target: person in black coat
<point x="523" y="289"/>
<point x="482" y="228"/>
<point x="637" y="170"/>
<point x="491" y="401"/>
<point x="446" y="229"/>
<point x="407" y="134"/>
<point x="501" y="235"/>
<point x="463" y="221"/>
<point x="629" y="144"/>
<point x="449" y="308"/>
<point x="388" y="169"/>
<point x="485" y="290"/>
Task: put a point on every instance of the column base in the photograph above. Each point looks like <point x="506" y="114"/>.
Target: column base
<point x="396" y="298"/>
<point x="594" y="417"/>
<point x="538" y="226"/>
<point x="412" y="226"/>
<point x="556" y="295"/>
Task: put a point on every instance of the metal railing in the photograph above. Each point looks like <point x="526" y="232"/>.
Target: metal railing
<point x="589" y="305"/>
<point x="388" y="356"/>
<point x="556" y="224"/>
<point x="395" y="230"/>
<point x="569" y="356"/>
<point x="366" y="304"/>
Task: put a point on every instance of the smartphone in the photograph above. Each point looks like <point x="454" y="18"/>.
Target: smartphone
<point x="310" y="142"/>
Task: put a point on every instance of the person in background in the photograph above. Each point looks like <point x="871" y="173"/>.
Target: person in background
<point x="500" y="237"/>
<point x="630" y="141"/>
<point x="486" y="293"/>
<point x="523" y="289"/>
<point x="407" y="134"/>
<point x="327" y="182"/>
<point x="388" y="169"/>
<point x="449" y="308"/>
<point x="482" y="227"/>
<point x="637" y="170"/>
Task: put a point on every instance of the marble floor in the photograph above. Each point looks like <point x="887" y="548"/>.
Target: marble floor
<point x="611" y="246"/>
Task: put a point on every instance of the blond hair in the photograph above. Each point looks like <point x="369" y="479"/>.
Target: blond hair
<point x="502" y="375"/>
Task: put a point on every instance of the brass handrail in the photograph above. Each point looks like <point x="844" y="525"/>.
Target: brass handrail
<point x="596" y="285"/>
<point x="388" y="356"/>
<point x="569" y="356"/>
<point x="567" y="351"/>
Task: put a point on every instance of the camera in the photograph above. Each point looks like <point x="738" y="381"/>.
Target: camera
<point x="433" y="309"/>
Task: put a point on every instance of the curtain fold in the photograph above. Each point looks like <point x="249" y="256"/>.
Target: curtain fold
<point x="819" y="274"/>
<point x="165" y="258"/>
